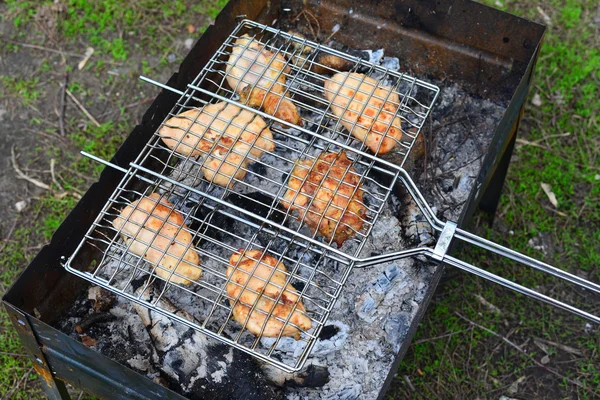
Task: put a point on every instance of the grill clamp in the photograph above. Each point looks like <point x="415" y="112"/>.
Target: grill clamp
<point x="443" y="243"/>
<point x="328" y="268"/>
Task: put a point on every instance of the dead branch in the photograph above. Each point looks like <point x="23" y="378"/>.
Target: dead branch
<point x="52" y="163"/>
<point x="81" y="107"/>
<point x="520" y="350"/>
<point x="61" y="116"/>
<point x="21" y="175"/>
<point x="35" y="46"/>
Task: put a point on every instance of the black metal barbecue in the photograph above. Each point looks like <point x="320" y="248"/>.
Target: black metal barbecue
<point x="456" y="42"/>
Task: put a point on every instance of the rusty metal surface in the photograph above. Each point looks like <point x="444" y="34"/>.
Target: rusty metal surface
<point x="53" y="387"/>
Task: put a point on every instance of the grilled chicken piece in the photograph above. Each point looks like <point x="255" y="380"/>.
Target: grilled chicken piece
<point x="257" y="75"/>
<point x="241" y="271"/>
<point x="320" y="63"/>
<point x="152" y="228"/>
<point x="230" y="136"/>
<point x="372" y="108"/>
<point x="337" y="210"/>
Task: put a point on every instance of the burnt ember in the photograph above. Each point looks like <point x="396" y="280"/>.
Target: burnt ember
<point x="328" y="332"/>
<point x="257" y="204"/>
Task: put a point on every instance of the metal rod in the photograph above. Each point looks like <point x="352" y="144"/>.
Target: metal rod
<point x="114" y="166"/>
<point x="518" y="288"/>
<point x="526" y="260"/>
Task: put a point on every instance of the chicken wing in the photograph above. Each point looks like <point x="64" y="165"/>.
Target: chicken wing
<point x="230" y="137"/>
<point x="264" y="291"/>
<point x="152" y="228"/>
<point x="367" y="109"/>
<point x="337" y="210"/>
<point x="257" y="75"/>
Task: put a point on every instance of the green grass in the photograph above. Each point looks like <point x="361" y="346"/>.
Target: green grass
<point x="15" y="366"/>
<point x="471" y="363"/>
<point x="24" y="89"/>
<point x="116" y="28"/>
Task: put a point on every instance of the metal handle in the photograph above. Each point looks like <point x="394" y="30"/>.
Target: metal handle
<point x="525" y="260"/>
<point x="450" y="231"/>
<point x="519" y="288"/>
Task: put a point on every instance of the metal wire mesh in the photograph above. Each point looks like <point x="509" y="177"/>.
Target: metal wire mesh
<point x="189" y="145"/>
<point x="228" y="174"/>
<point x="312" y="274"/>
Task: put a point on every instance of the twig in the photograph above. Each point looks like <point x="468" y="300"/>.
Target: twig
<point x="21" y="175"/>
<point x="137" y="103"/>
<point x="61" y="117"/>
<point x="53" y="136"/>
<point x="13" y="354"/>
<point x="52" y="163"/>
<point x="563" y="347"/>
<point x="520" y="350"/>
<point x="35" y="46"/>
<point x="16" y="387"/>
<point x="439" y="337"/>
<point x="7" y="238"/>
<point x="82" y="108"/>
<point x="534" y="144"/>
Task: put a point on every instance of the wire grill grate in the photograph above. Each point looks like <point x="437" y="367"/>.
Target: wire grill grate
<point x="254" y="206"/>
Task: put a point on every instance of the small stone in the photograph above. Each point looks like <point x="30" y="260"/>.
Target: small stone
<point x="189" y="43"/>
<point x="597" y="177"/>
<point x="21" y="205"/>
<point x="545" y="360"/>
<point x="171" y="58"/>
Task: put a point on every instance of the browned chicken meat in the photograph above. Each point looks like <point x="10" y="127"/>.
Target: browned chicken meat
<point x="367" y="109"/>
<point x="257" y="75"/>
<point x="229" y="136"/>
<point x="264" y="279"/>
<point x="328" y="196"/>
<point x="152" y="228"/>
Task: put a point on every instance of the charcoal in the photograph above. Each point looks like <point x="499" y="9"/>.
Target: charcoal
<point x="259" y="204"/>
<point x="328" y="332"/>
<point x="196" y="365"/>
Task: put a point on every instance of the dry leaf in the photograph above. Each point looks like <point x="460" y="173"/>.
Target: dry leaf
<point x="88" y="53"/>
<point x="514" y="387"/>
<point x="545" y="17"/>
<point x="537" y="100"/>
<point x="191" y="28"/>
<point x="551" y="196"/>
<point x="492" y="308"/>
